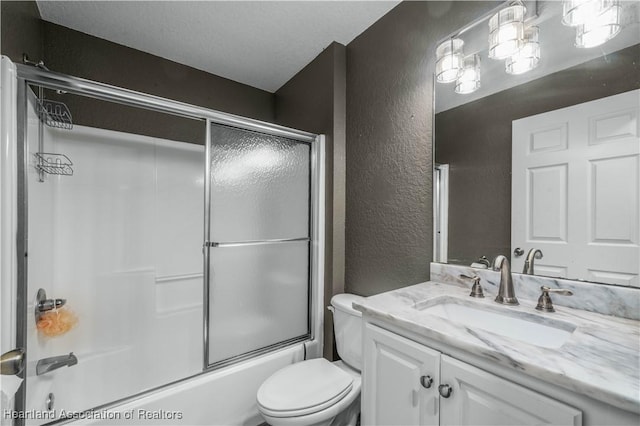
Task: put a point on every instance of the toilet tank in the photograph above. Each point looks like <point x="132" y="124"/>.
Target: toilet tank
<point x="347" y="327"/>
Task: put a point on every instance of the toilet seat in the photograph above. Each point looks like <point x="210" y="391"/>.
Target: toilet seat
<point x="304" y="388"/>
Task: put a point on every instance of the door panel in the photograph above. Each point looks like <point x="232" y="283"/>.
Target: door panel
<point x="393" y="393"/>
<point x="260" y="186"/>
<point x="480" y="398"/>
<point x="258" y="297"/>
<point x="547" y="204"/>
<point x="614" y="213"/>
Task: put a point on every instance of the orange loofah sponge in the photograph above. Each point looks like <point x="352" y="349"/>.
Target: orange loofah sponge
<point x="56" y="322"/>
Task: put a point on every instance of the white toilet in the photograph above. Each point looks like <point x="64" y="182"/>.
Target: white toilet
<point x="317" y="392"/>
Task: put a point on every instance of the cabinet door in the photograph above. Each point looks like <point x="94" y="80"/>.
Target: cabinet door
<point x="396" y="373"/>
<point x="480" y="398"/>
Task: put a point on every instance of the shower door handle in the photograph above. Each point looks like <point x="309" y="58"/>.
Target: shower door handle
<point x="254" y="243"/>
<point x="12" y="362"/>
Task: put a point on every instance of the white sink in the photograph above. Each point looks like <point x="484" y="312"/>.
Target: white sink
<point x="529" y="328"/>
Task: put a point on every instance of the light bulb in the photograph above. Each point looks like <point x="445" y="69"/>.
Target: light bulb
<point x="449" y="60"/>
<point x="579" y="12"/>
<point x="528" y="57"/>
<point x="469" y="80"/>
<point x="600" y="29"/>
<point x="506" y="30"/>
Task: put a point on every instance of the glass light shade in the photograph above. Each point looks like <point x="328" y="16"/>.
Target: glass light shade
<point x="601" y="29"/>
<point x="506" y="29"/>
<point x="449" y="60"/>
<point x="579" y="12"/>
<point x="469" y="80"/>
<point x="528" y="56"/>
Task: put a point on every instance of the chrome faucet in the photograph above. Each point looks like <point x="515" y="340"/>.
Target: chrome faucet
<point x="53" y="363"/>
<point x="528" y="263"/>
<point x="506" y="294"/>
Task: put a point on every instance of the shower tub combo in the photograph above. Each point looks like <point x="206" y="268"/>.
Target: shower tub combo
<point x="159" y="260"/>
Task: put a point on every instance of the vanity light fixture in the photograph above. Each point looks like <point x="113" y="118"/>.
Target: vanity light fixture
<point x="578" y="12"/>
<point x="506" y="30"/>
<point x="449" y="60"/>
<point x="469" y="80"/>
<point x="528" y="56"/>
<point x="600" y="29"/>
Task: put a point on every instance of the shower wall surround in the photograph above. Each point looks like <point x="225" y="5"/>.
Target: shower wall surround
<point x="100" y="239"/>
<point x="604" y="299"/>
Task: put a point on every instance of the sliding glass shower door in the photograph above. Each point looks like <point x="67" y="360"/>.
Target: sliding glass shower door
<point x="258" y="243"/>
<point x="109" y="259"/>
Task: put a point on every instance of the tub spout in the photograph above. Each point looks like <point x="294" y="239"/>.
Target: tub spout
<point x="53" y="363"/>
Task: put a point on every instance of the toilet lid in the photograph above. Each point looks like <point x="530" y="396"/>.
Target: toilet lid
<point x="304" y="388"/>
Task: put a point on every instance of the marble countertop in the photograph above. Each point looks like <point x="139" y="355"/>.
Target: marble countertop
<point x="601" y="359"/>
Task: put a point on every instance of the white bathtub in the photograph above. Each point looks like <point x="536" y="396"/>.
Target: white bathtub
<point x="222" y="397"/>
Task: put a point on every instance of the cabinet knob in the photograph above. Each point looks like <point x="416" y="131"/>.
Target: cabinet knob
<point x="445" y="391"/>
<point x="426" y="381"/>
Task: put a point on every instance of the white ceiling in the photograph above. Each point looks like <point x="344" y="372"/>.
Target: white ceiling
<point x="259" y="43"/>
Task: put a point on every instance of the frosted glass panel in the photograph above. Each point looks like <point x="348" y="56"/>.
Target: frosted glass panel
<point x="259" y="186"/>
<point x="258" y="297"/>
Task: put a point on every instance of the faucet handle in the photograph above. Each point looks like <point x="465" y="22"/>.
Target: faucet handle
<point x="560" y="291"/>
<point x="476" y="290"/>
<point x="545" y="303"/>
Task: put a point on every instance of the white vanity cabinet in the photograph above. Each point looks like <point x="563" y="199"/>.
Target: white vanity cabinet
<point x="401" y="380"/>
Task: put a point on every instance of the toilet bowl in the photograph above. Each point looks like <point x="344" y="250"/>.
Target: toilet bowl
<point x="317" y="392"/>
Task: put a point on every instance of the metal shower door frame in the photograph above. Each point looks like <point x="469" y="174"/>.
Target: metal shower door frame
<point x="27" y="75"/>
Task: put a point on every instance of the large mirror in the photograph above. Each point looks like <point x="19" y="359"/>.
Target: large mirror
<point x="547" y="159"/>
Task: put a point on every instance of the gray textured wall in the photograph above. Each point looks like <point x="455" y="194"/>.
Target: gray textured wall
<point x="475" y="140"/>
<point x="389" y="241"/>
<point x="81" y="55"/>
<point x="78" y="54"/>
<point x="21" y="30"/>
<point x="314" y="100"/>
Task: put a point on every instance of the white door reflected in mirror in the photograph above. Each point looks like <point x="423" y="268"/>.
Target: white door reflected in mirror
<point x="576" y="190"/>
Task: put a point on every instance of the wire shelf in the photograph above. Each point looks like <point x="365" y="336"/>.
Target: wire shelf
<point x="55" y="114"/>
<point x="54" y="164"/>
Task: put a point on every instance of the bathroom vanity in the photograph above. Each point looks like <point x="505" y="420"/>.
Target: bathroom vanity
<point x="433" y="355"/>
